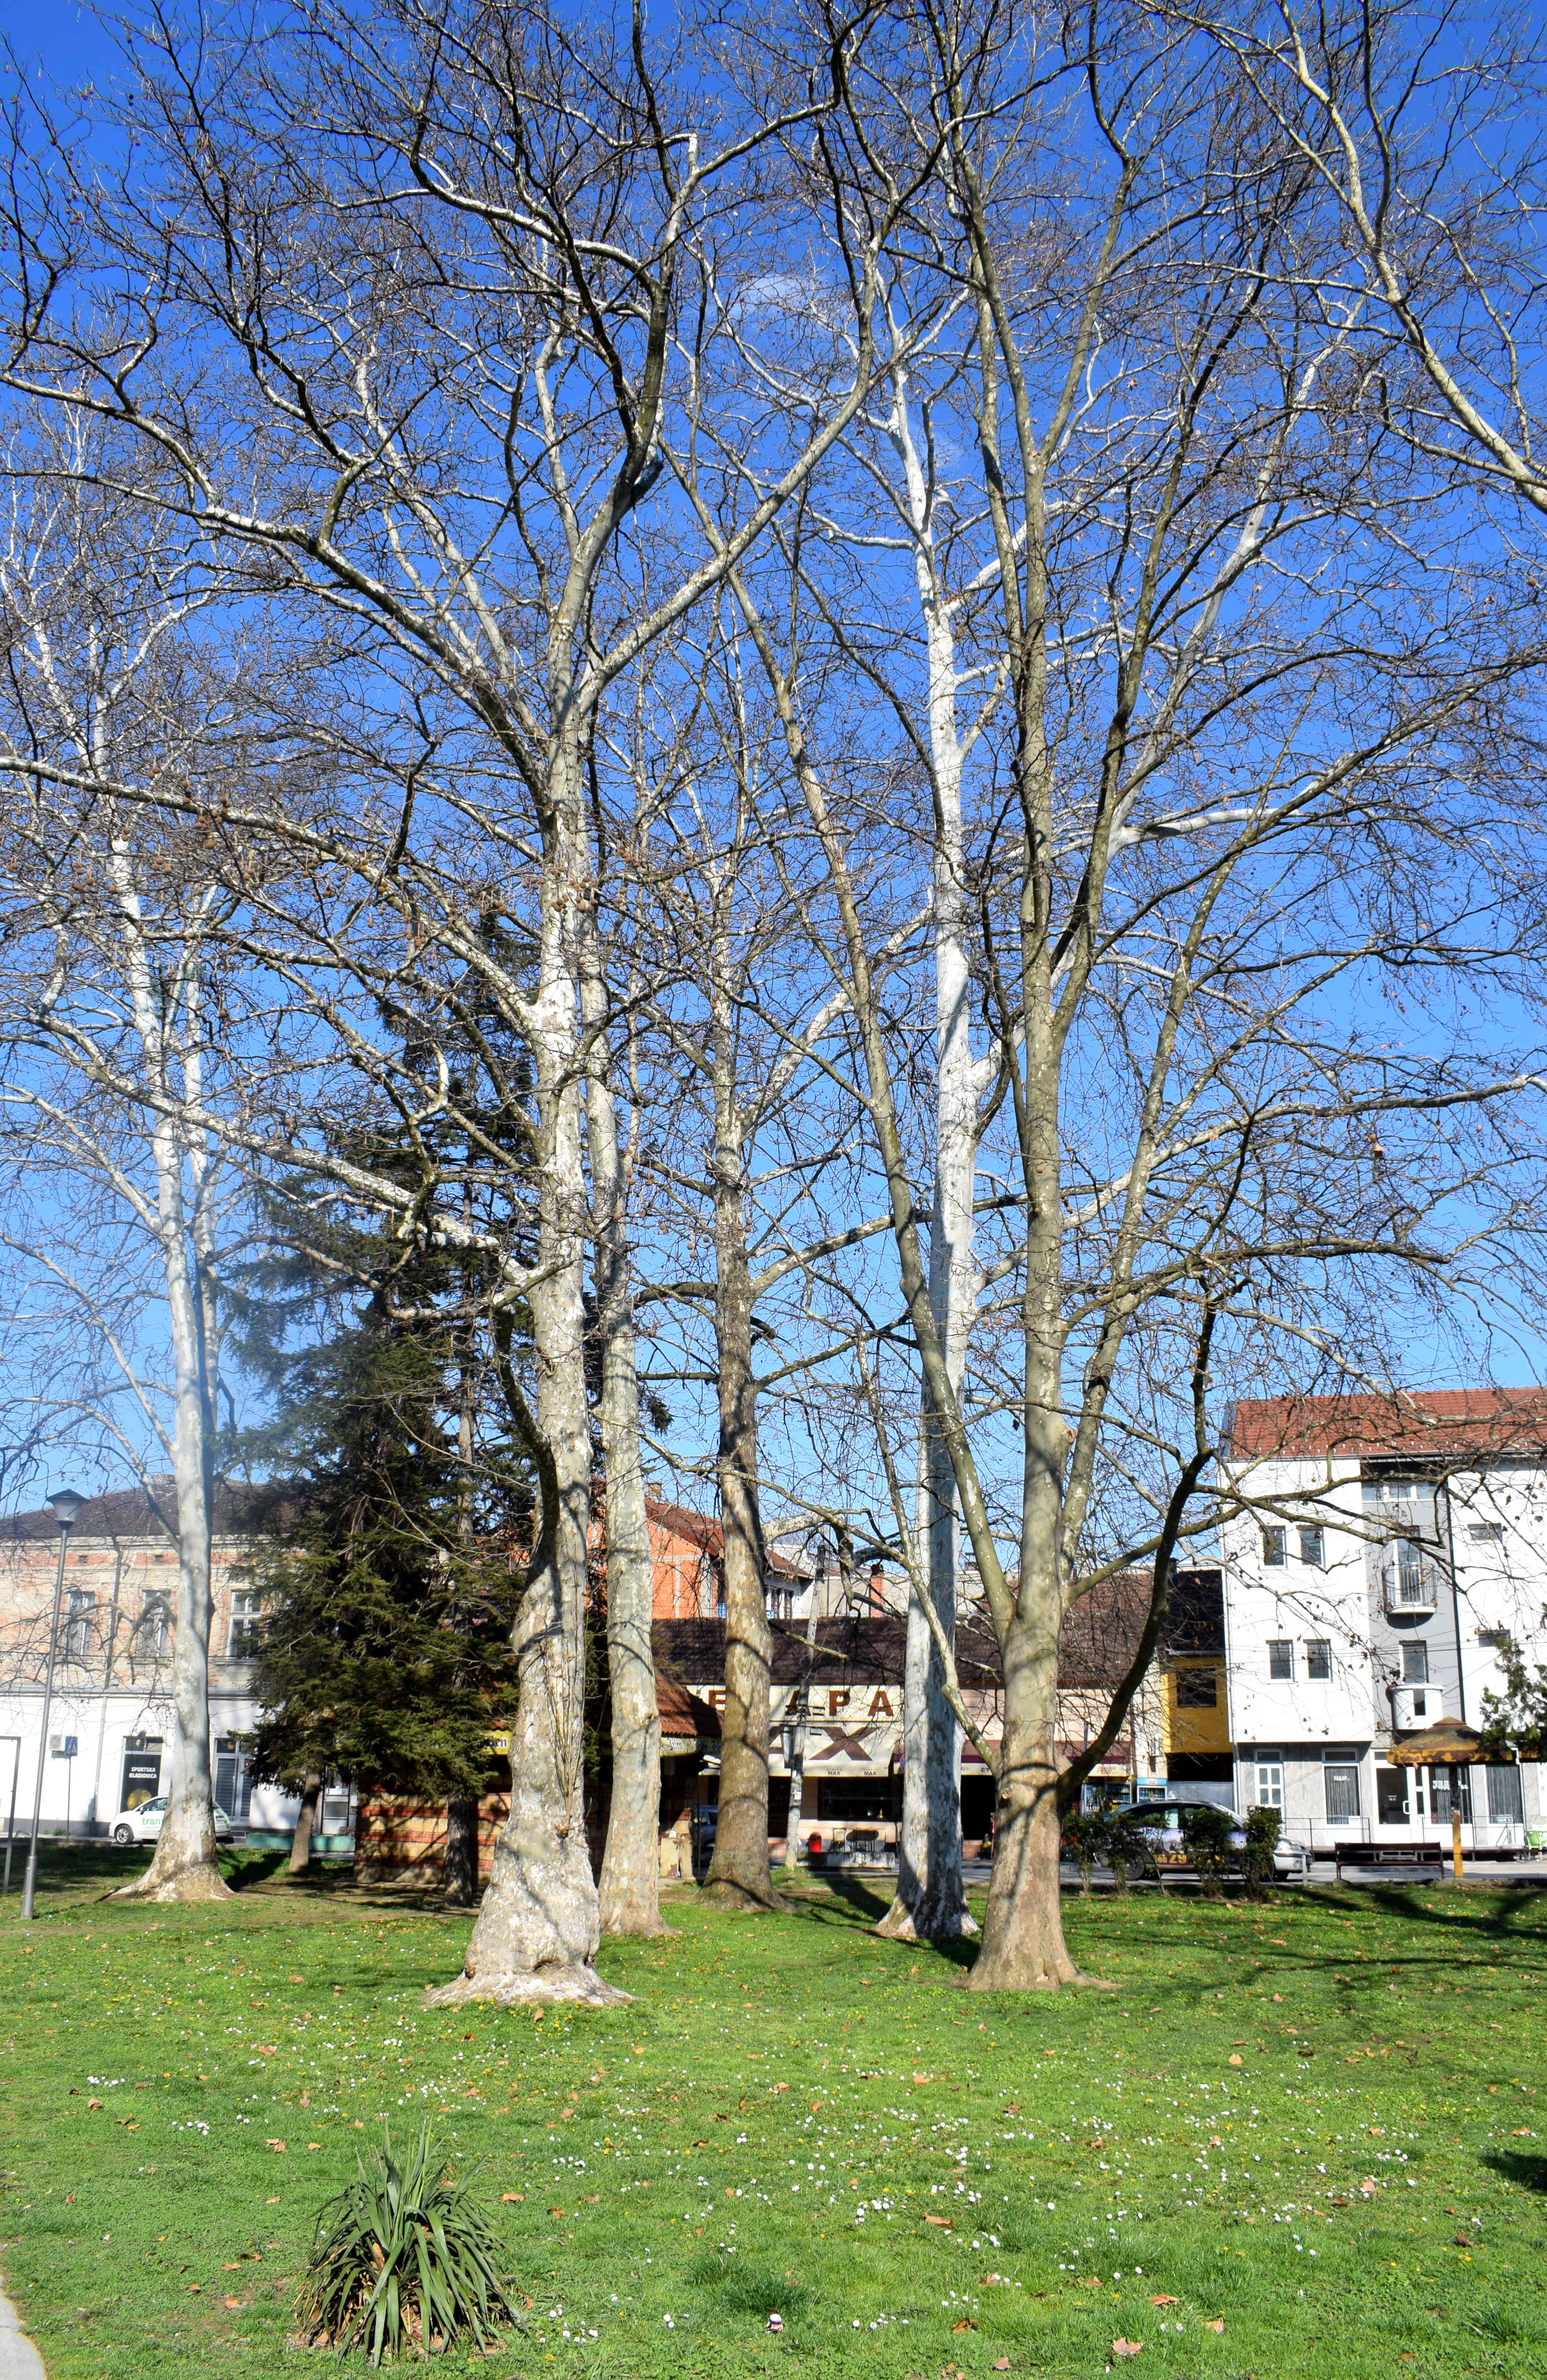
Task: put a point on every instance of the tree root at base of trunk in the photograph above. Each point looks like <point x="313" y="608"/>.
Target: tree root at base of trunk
<point x="202" y="1882"/>
<point x="901" y="1925"/>
<point x="1050" y="1976"/>
<point x="580" y="1986"/>
<point x="729" y="1892"/>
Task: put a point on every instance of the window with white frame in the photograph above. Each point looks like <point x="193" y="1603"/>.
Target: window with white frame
<point x="1281" y="1658"/>
<point x="1318" y="1657"/>
<point x="76" y="1645"/>
<point x="1273" y="1543"/>
<point x="1414" y="1663"/>
<point x="1313" y="1548"/>
<point x="246" y="1622"/>
<point x="154" y="1634"/>
<point x="1270" y="1784"/>
<point x="1410" y="1573"/>
<point x="1340" y="1783"/>
<point x="1506" y="1803"/>
<point x="1485" y="1533"/>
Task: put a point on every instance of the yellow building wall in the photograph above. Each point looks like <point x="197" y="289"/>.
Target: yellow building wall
<point x="1187" y="1728"/>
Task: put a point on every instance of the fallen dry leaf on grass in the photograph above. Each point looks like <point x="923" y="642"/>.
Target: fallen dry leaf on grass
<point x="1165" y="2300"/>
<point x="966" y="2324"/>
<point x="1127" y="2347"/>
<point x="511" y="2197"/>
<point x="944" y="2221"/>
<point x="1234" y="2059"/>
<point x="1003" y="2364"/>
<point x="1215" y="2325"/>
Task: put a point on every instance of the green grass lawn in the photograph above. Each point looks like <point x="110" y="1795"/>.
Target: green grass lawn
<point x="1319" y="2123"/>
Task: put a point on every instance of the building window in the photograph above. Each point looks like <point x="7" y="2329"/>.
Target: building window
<point x="1415" y="1664"/>
<point x="1318" y="1657"/>
<point x="76" y="1642"/>
<point x="852" y="1799"/>
<point x="1448" y="1788"/>
<point x="1492" y="1636"/>
<point x="1340" y="1781"/>
<point x="1505" y="1806"/>
<point x="1485" y="1533"/>
<point x="1273" y="1542"/>
<point x="1197" y="1690"/>
<point x="1390" y="1797"/>
<point x="1410" y="1573"/>
<point x="1313" y="1550"/>
<point x="1270" y="1784"/>
<point x="247" y="1628"/>
<point x="1281" y="1658"/>
<point x="152" y="1637"/>
<point x="233" y="1779"/>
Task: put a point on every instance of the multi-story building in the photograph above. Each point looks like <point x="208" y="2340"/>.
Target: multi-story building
<point x="110" y="1724"/>
<point x="1383" y="1550"/>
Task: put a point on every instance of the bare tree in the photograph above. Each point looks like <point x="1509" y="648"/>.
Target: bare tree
<point x="111" y="1011"/>
<point x="748" y="1169"/>
<point x="406" y="303"/>
<point x="1247" y="700"/>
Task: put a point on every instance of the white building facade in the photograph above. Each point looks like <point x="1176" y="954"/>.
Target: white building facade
<point x="1383" y="1550"/>
<point x="111" y="1719"/>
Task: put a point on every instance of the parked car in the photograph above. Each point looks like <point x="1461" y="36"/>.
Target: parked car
<point x="142" y="1824"/>
<point x="1160" y="1825"/>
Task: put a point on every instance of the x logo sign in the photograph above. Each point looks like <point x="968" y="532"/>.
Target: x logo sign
<point x="843" y="1744"/>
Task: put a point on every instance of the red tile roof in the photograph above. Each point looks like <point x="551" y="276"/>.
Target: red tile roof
<point x="1422" y="1422"/>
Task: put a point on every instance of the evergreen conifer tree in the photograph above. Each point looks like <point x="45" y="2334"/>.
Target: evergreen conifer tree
<point x="399" y="1507"/>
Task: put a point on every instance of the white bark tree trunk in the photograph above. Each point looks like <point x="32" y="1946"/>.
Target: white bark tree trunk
<point x="184" y="1866"/>
<point x="539" y="1923"/>
<point x="631" y="1898"/>
<point x="931" y="1902"/>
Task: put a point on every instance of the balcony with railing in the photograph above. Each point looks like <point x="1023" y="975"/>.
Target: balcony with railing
<point x="1410" y="1581"/>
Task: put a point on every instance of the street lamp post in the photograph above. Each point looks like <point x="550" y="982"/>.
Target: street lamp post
<point x="67" y="1504"/>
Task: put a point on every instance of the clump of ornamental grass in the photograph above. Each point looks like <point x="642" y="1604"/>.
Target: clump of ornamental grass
<point x="403" y="2261"/>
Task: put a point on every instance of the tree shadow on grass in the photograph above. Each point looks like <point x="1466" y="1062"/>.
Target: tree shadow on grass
<point x="848" y="1901"/>
<point x="1526" y="2172"/>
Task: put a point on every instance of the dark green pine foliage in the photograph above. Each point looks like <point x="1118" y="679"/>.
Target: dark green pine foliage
<point x="400" y="1502"/>
<point x="385" y="1650"/>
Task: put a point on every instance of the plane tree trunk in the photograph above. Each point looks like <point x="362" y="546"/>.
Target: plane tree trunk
<point x="738" y="1871"/>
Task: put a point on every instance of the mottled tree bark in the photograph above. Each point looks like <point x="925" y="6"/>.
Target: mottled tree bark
<point x="184" y="1866"/>
<point x="630" y="1895"/>
<point x="740" y="1869"/>
<point x="538" y="1926"/>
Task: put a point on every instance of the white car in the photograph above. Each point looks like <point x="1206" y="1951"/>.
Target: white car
<point x="142" y="1824"/>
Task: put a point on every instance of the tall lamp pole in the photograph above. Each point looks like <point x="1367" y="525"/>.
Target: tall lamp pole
<point x="67" y="1504"/>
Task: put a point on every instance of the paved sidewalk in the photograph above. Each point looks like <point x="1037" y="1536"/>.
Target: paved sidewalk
<point x="19" y="2359"/>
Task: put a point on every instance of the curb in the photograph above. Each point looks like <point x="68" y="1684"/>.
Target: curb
<point x="19" y="2359"/>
